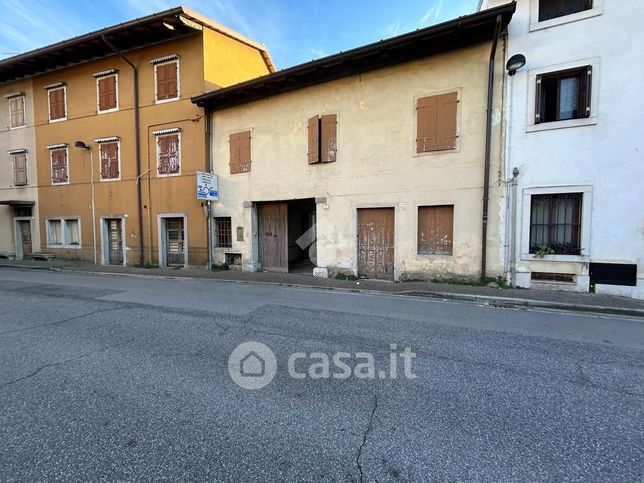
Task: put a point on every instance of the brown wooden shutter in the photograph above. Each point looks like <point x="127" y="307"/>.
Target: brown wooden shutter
<point x="105" y="161"/>
<point x="537" y="100"/>
<point x="164" y="162"/>
<point x="107" y="93"/>
<point x="20" y="169"/>
<point x="426" y="111"/>
<point x="328" y="138"/>
<point x="171" y="79"/>
<point x="314" y="142"/>
<point x="173" y="153"/>
<point x="162" y="85"/>
<point x="233" y="142"/>
<point x="57" y="103"/>
<point x="59" y="165"/>
<point x="17" y="111"/>
<point x="436" y="229"/>
<point x="244" y="152"/>
<point x="114" y="161"/>
<point x="447" y="105"/>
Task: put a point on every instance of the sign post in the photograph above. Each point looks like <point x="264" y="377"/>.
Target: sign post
<point x="208" y="191"/>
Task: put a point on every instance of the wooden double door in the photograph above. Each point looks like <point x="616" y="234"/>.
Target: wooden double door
<point x="273" y="236"/>
<point x="376" y="237"/>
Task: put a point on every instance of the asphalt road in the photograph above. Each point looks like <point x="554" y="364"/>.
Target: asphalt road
<point x="121" y="378"/>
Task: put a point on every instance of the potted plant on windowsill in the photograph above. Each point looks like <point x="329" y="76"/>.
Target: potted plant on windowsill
<point x="543" y="250"/>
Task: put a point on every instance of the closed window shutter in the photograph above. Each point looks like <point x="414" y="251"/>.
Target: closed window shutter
<point x="436" y="229"/>
<point x="234" y="141"/>
<point x="328" y="137"/>
<point x="447" y="105"/>
<point x="57" y="103"/>
<point x="244" y="152"/>
<point x="17" y="110"/>
<point x="314" y="145"/>
<point x="426" y="124"/>
<point x="107" y="93"/>
<point x="162" y="85"/>
<point x="20" y="169"/>
<point x="171" y="79"/>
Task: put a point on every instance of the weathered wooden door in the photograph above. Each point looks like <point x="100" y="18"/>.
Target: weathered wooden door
<point x="25" y="236"/>
<point x="273" y="236"/>
<point x="376" y="243"/>
<point x="115" y="240"/>
<point x="175" y="242"/>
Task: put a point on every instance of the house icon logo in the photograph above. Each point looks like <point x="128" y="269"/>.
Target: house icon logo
<point x="252" y="365"/>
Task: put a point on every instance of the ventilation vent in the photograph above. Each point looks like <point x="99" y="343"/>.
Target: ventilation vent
<point x="552" y="277"/>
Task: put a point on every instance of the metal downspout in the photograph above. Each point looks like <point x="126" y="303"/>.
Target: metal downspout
<point x="137" y="143"/>
<point x="488" y="142"/>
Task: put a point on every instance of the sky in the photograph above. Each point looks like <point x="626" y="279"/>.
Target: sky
<point x="293" y="31"/>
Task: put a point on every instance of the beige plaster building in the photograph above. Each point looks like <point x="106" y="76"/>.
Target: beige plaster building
<point x="370" y="162"/>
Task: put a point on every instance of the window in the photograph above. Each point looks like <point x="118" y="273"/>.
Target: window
<point x="323" y="139"/>
<point x="57" y="103"/>
<point x="549" y="9"/>
<point x="17" y="112"/>
<point x="436" y="128"/>
<point x="168" y="154"/>
<point x="167" y="80"/>
<point x="109" y="154"/>
<point x="435" y="230"/>
<point x="223" y="226"/>
<point x="107" y="93"/>
<point x="563" y="95"/>
<point x="19" y="168"/>
<point x="555" y="223"/>
<point x="239" y="152"/>
<point x="59" y="165"/>
<point x="63" y="233"/>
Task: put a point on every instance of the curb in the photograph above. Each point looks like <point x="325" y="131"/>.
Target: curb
<point x="501" y="302"/>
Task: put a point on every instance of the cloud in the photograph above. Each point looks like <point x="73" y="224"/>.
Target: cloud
<point x="432" y="15"/>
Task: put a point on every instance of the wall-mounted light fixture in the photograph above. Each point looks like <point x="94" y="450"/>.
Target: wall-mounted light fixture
<point x="514" y="63"/>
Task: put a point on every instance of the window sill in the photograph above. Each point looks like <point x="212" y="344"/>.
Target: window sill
<point x="108" y="180"/>
<point x="13" y="128"/>
<point x="436" y="153"/>
<point x="163" y="101"/>
<point x="107" y="111"/>
<point x="442" y="255"/>
<point x="555" y="258"/>
<point x="169" y="175"/>
<point x="593" y="12"/>
<point x="58" y="120"/>
<point x="548" y="126"/>
<point x="61" y="183"/>
<point x="61" y="246"/>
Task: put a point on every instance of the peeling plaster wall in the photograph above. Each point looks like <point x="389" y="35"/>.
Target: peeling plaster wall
<point x="376" y="162"/>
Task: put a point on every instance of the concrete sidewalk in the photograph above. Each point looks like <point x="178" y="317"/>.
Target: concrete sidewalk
<point x="507" y="297"/>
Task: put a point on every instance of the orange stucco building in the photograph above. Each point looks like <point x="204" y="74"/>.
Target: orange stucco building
<point x="118" y="141"/>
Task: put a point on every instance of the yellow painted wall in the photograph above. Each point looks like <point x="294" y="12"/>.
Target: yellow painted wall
<point x="119" y="198"/>
<point x="227" y="61"/>
<point x="376" y="162"/>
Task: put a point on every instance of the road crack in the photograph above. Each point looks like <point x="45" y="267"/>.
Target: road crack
<point x="365" y="436"/>
<point x="73" y="359"/>
<point x="76" y="317"/>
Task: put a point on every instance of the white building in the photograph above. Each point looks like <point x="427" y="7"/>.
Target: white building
<point x="575" y="132"/>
